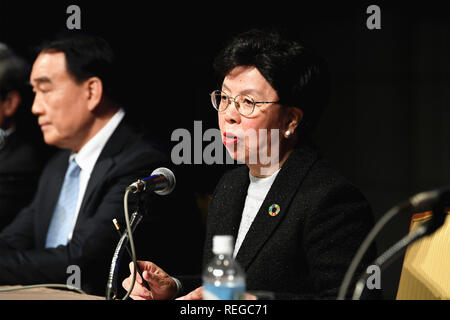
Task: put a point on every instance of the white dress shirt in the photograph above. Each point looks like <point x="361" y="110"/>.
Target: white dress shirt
<point x="256" y="193"/>
<point x="88" y="155"/>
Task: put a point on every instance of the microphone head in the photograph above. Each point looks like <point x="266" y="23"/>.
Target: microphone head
<point x="171" y="181"/>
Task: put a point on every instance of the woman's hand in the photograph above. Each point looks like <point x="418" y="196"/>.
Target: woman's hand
<point x="162" y="285"/>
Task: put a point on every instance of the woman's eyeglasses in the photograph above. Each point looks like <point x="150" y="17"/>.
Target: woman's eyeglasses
<point x="244" y="104"/>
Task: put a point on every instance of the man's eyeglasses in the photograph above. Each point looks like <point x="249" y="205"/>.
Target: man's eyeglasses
<point x="245" y="105"/>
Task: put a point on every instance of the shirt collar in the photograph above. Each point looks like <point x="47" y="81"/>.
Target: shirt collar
<point x="264" y="180"/>
<point x="89" y="153"/>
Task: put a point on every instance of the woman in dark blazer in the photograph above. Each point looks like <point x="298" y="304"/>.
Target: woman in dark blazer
<point x="296" y="221"/>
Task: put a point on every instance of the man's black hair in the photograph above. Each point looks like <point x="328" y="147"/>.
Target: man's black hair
<point x="86" y="56"/>
<point x="13" y="72"/>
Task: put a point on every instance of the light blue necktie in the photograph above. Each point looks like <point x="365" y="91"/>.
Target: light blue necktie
<point x="62" y="220"/>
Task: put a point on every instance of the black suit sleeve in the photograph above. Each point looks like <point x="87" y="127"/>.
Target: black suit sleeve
<point x="19" y="235"/>
<point x="20" y="167"/>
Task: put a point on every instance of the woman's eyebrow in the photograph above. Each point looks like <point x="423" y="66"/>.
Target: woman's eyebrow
<point x="246" y="91"/>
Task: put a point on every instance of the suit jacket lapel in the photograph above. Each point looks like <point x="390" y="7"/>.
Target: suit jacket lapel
<point x="283" y="189"/>
<point x="232" y="203"/>
<point x="105" y="161"/>
<point x="225" y="210"/>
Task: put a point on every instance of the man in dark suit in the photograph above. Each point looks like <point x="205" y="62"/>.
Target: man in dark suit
<point x="69" y="222"/>
<point x="20" y="160"/>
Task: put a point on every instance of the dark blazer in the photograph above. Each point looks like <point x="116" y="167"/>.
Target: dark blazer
<point x="125" y="158"/>
<point x="304" y="251"/>
<point x="20" y="167"/>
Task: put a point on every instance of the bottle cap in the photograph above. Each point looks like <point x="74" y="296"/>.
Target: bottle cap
<point x="223" y="244"/>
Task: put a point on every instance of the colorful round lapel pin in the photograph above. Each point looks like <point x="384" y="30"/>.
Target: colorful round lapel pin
<point x="274" y="210"/>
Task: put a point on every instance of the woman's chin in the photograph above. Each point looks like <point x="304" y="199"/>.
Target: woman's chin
<point x="236" y="155"/>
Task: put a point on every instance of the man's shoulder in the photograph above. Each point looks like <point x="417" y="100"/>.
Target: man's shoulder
<point x="131" y="143"/>
<point x="142" y="150"/>
<point x="322" y="181"/>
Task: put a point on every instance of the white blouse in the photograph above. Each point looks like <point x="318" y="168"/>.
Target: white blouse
<point x="256" y="193"/>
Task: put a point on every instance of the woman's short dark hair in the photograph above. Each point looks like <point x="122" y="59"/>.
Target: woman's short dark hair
<point x="86" y="56"/>
<point x="299" y="76"/>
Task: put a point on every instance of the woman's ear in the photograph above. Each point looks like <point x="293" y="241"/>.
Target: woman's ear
<point x="294" y="118"/>
<point x="94" y="87"/>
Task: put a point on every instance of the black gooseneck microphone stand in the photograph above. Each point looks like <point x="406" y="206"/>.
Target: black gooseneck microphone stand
<point x="111" y="286"/>
<point x="384" y="260"/>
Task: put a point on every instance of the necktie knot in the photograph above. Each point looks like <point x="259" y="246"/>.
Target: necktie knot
<point x="74" y="169"/>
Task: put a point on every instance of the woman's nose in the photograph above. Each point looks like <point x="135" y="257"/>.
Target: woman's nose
<point x="232" y="114"/>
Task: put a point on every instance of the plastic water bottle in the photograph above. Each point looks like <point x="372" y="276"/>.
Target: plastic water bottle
<point x="223" y="278"/>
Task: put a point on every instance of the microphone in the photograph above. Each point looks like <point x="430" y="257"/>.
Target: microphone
<point x="161" y="181"/>
<point x="436" y="200"/>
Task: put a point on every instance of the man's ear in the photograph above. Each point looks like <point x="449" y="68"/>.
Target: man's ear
<point x="11" y="103"/>
<point x="294" y="118"/>
<point x="94" y="90"/>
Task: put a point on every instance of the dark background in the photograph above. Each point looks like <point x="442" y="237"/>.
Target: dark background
<point x="386" y="127"/>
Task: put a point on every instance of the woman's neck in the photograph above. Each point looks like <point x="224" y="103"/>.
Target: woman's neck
<point x="262" y="171"/>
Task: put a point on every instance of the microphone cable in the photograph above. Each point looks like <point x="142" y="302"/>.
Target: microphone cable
<point x="365" y="246"/>
<point x="45" y="285"/>
<point x="131" y="240"/>
<point x="389" y="255"/>
<point x="111" y="287"/>
<point x="138" y="186"/>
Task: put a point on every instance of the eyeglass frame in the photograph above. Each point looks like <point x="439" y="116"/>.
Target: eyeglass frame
<point x="234" y="100"/>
